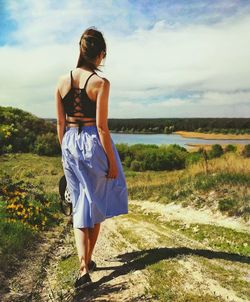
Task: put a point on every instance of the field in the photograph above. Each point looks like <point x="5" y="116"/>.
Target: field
<point x="186" y="238"/>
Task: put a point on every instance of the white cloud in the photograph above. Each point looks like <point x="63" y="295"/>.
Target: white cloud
<point x="210" y="63"/>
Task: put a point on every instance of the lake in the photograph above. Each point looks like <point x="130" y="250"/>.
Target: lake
<point x="159" y="139"/>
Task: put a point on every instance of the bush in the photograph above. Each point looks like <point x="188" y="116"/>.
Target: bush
<point x="216" y="151"/>
<point x="246" y="151"/>
<point x="230" y="148"/>
<point x="123" y="150"/>
<point x="47" y="144"/>
<point x="127" y="161"/>
<point x="227" y="204"/>
<point x="19" y="130"/>
<point x="22" y="201"/>
<point x="136" y="165"/>
<point x="193" y="158"/>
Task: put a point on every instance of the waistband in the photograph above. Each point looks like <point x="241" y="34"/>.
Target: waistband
<point x="80" y="128"/>
<point x="80" y="125"/>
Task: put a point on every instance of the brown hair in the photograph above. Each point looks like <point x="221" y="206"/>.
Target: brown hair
<point x="91" y="44"/>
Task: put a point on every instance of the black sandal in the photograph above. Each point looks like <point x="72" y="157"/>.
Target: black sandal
<point x="92" y="266"/>
<point x="83" y="281"/>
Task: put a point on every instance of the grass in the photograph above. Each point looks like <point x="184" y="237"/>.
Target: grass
<point x="167" y="283"/>
<point x="228" y="278"/>
<point x="228" y="177"/>
<point x="14" y="239"/>
<point x="166" y="279"/>
<point x="17" y="235"/>
<point x="66" y="271"/>
<point x="41" y="170"/>
<point x="216" y="237"/>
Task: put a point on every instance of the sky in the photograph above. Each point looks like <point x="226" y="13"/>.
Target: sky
<point x="164" y="59"/>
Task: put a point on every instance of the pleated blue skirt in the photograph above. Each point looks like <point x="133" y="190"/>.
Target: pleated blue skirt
<point x="94" y="196"/>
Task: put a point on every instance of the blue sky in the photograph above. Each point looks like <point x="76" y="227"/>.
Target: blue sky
<point x="164" y="58"/>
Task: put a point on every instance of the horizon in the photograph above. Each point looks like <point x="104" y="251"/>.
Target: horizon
<point x="196" y="52"/>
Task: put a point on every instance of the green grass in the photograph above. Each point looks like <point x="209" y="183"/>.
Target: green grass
<point x="216" y="237"/>
<point x="228" y="278"/>
<point x="231" y="188"/>
<point x="166" y="284"/>
<point x="41" y="170"/>
<point x="66" y="271"/>
<point x="14" y="239"/>
<point x="165" y="277"/>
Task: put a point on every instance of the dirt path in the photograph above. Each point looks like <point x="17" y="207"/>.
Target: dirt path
<point x="126" y="247"/>
<point x="115" y="278"/>
<point x="25" y="277"/>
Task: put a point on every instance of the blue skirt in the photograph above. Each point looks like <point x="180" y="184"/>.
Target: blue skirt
<point x="94" y="196"/>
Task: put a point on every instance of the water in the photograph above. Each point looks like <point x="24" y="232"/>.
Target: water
<point x="159" y="139"/>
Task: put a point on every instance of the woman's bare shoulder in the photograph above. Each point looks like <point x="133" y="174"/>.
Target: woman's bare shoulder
<point x="63" y="80"/>
<point x="101" y="81"/>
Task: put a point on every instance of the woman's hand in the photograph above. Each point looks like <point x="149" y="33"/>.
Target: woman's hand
<point x="113" y="170"/>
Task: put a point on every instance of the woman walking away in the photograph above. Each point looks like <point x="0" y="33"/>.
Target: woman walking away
<point x="91" y="163"/>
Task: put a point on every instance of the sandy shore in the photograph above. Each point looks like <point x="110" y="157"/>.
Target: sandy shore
<point x="191" y="134"/>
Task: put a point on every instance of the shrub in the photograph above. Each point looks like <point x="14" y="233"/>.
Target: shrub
<point x="193" y="158"/>
<point x="22" y="201"/>
<point x="136" y="165"/>
<point x="230" y="148"/>
<point x="123" y="150"/>
<point x="127" y="161"/>
<point x="246" y="151"/>
<point x="47" y="144"/>
<point x="228" y="205"/>
<point x="216" y="151"/>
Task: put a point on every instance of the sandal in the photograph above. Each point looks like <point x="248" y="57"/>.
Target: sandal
<point x="83" y="281"/>
<point x="92" y="266"/>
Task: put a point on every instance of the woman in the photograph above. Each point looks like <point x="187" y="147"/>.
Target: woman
<point x="91" y="162"/>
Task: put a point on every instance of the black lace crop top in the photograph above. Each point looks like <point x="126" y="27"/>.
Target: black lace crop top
<point x="77" y="101"/>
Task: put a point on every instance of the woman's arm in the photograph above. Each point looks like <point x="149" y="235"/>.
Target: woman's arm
<point x="102" y="125"/>
<point x="61" y="117"/>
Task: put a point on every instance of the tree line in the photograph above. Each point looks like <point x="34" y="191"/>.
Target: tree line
<point x="169" y="125"/>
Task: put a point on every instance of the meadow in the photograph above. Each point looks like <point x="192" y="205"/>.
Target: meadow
<point x="220" y="185"/>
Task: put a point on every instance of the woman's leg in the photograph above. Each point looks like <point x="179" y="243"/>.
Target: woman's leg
<point x="93" y="234"/>
<point x="82" y="245"/>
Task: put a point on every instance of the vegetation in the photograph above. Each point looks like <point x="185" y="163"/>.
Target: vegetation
<point x="140" y="157"/>
<point x="32" y="181"/>
<point x="26" y="209"/>
<point x="166" y="274"/>
<point x="22" y="131"/>
<point x="168" y="125"/>
<point x="246" y="151"/>
<point x="223" y="186"/>
<point x="216" y="151"/>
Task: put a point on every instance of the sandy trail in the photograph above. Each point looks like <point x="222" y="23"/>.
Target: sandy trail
<point x="124" y="249"/>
